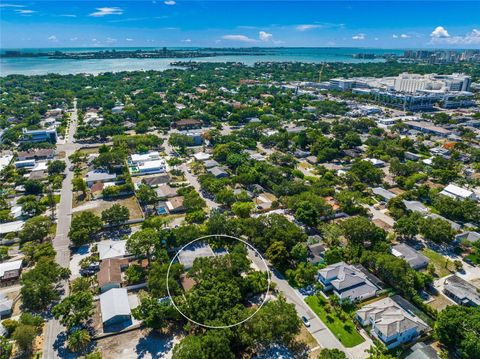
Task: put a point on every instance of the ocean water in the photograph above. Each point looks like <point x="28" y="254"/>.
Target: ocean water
<point x="44" y="65"/>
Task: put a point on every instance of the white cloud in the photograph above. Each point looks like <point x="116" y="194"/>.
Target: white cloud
<point x="74" y="38"/>
<point x="405" y="36"/>
<point x="25" y="12"/>
<point x="395" y="36"/>
<point x="104" y="11"/>
<point x="359" y="37"/>
<point x="439" y="33"/>
<point x="11" y="5"/>
<point x="52" y="38"/>
<point x="110" y="40"/>
<point x="169" y="2"/>
<point x="68" y="15"/>
<point x="264" y="36"/>
<point x="472" y="38"/>
<point x="306" y="27"/>
<point x="128" y="39"/>
<point x="187" y="40"/>
<point x="376" y="39"/>
<point x="239" y="38"/>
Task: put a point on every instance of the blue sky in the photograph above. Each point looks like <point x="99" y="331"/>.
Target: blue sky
<point x="383" y="24"/>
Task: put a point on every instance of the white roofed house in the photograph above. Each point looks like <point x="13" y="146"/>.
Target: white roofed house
<point x="390" y="322"/>
<point x="115" y="307"/>
<point x="146" y="163"/>
<point x="10" y="270"/>
<point x="347" y="282"/>
<point x="111" y="249"/>
<point x="456" y="192"/>
<point x="383" y="193"/>
<point x="99" y="176"/>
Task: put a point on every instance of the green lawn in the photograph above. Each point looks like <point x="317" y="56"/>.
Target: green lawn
<point x="439" y="261"/>
<point x="344" y="330"/>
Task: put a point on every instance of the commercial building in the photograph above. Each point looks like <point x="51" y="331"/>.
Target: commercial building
<point x="39" y="136"/>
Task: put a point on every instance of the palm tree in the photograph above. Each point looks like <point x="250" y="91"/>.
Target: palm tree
<point x="78" y="340"/>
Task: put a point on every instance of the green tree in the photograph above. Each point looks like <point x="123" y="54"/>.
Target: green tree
<point x="56" y="167"/>
<point x="437" y="230"/>
<point x="146" y="195"/>
<point x="83" y="227"/>
<point x="278" y="255"/>
<point x="79" y="185"/>
<point x="74" y="309"/>
<point x="24" y="335"/>
<point x="78" y="340"/>
<point x="332" y="354"/>
<point x="144" y="242"/>
<point x="35" y="229"/>
<point x="242" y="209"/>
<point x="115" y="215"/>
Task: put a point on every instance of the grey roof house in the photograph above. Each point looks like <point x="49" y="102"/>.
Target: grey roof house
<point x="115" y="307"/>
<point x="347" y="282"/>
<point x="382" y="192"/>
<point x="390" y="322"/>
<point x="469" y="236"/>
<point x="461" y="291"/>
<point x="415" y="259"/>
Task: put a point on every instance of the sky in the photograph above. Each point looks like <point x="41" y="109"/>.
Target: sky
<point x="177" y="23"/>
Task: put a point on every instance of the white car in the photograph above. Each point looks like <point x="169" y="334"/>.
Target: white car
<point x="305" y="321"/>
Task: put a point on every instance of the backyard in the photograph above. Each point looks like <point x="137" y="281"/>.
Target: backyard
<point x="343" y="328"/>
<point x="443" y="265"/>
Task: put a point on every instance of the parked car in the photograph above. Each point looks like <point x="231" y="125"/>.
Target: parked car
<point x="305" y="321"/>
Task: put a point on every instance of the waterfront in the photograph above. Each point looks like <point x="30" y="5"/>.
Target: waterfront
<point x="44" y="65"/>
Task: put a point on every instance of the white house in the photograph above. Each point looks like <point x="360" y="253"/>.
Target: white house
<point x="115" y="307"/>
<point x="10" y="270"/>
<point x="111" y="249"/>
<point x="390" y="323"/>
<point x="457" y="192"/>
<point x="147" y="163"/>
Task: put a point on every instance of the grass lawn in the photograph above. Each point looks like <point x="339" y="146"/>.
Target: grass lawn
<point x="345" y="331"/>
<point x="439" y="262"/>
<point x="474" y="257"/>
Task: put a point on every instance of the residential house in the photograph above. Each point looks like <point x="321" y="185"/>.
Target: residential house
<point x="461" y="291"/>
<point x="99" y="176"/>
<point x="38" y="154"/>
<point x="195" y="136"/>
<point x="110" y="274"/>
<point x="175" y="205"/>
<point x="347" y="282"/>
<point x="146" y="163"/>
<point x="165" y="191"/>
<point x="218" y="172"/>
<point x="10" y="270"/>
<point x="6" y="306"/>
<point x="415" y="259"/>
<point x="202" y="156"/>
<point x="114" y="307"/>
<point x="156" y="180"/>
<point x="376" y="162"/>
<point x="11" y="227"/>
<point x="315" y="252"/>
<point x="211" y="163"/>
<point x="187" y="255"/>
<point x="391" y="323"/>
<point x="467" y="237"/>
<point x="415" y="206"/>
<point x="455" y="226"/>
<point x="109" y="249"/>
<point x="422" y="351"/>
<point x="386" y="195"/>
<point x="456" y="192"/>
<point x="187" y="124"/>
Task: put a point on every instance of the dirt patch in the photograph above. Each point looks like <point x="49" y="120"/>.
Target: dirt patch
<point x="440" y="302"/>
<point x="142" y="343"/>
<point x="100" y="205"/>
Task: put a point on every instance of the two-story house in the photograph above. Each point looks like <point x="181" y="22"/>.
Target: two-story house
<point x="347" y="282"/>
<point x="391" y="323"/>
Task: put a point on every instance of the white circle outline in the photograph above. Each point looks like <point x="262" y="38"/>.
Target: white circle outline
<point x="222" y="326"/>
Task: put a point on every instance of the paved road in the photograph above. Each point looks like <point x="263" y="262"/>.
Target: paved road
<point x="60" y="242"/>
<point x="318" y="330"/>
<point x="192" y="179"/>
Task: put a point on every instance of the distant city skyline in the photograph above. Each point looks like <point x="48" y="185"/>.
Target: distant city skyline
<point x="375" y="24"/>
